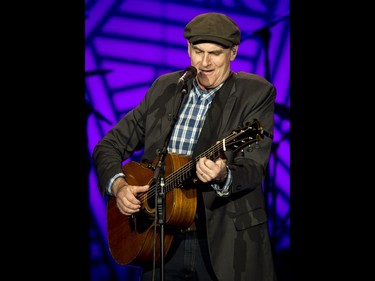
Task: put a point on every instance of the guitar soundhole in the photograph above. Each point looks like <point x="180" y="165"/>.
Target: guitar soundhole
<point x="151" y="198"/>
<point x="143" y="220"/>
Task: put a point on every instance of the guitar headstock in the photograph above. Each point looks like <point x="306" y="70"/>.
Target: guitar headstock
<point x="245" y="136"/>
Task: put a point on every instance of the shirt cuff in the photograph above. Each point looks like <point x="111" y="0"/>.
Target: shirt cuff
<point x="115" y="177"/>
<point x="223" y="190"/>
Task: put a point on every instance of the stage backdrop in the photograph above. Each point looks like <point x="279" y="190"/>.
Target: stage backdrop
<point x="130" y="43"/>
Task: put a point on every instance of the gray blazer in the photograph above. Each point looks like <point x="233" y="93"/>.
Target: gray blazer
<point x="237" y="231"/>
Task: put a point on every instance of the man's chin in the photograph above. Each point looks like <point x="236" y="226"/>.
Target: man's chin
<point x="204" y="83"/>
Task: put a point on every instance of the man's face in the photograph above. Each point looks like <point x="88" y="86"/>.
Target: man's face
<point x="212" y="62"/>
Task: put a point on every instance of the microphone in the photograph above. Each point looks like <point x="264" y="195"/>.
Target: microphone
<point x="190" y="73"/>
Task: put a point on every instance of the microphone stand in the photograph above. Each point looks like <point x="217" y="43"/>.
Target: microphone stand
<point x="159" y="176"/>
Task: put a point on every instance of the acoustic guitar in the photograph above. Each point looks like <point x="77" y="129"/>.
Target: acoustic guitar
<point x="137" y="238"/>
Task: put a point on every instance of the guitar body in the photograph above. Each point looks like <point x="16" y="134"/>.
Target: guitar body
<point x="131" y="238"/>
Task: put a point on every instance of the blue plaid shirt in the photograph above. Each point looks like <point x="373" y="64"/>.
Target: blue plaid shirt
<point x="191" y="120"/>
<point x="189" y="125"/>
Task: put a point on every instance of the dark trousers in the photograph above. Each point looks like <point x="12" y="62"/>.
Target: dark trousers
<point x="187" y="259"/>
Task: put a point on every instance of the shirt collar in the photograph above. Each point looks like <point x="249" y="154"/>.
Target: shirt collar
<point x="205" y="94"/>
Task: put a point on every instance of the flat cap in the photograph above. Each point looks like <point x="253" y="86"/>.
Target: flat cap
<point x="213" y="27"/>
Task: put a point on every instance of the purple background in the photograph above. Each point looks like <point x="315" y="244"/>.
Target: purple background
<point x="130" y="43"/>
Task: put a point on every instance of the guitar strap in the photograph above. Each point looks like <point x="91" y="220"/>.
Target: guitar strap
<point x="210" y="131"/>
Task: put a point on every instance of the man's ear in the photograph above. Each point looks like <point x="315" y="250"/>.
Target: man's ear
<point x="233" y="53"/>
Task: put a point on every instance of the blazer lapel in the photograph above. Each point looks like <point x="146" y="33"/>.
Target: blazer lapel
<point x="216" y="119"/>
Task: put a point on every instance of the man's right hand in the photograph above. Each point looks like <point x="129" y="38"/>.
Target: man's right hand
<point x="126" y="196"/>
